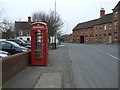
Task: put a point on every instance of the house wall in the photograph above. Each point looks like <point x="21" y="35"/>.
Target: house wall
<point x="102" y="35"/>
<point x="24" y="37"/>
<point x="116" y="29"/>
<point x="119" y="25"/>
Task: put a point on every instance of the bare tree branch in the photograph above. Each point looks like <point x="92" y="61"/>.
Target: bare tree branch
<point x="7" y="28"/>
<point x="52" y="19"/>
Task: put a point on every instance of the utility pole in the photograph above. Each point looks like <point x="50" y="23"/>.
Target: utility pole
<point x="55" y="35"/>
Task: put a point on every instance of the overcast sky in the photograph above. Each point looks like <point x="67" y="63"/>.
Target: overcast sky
<point x="71" y="11"/>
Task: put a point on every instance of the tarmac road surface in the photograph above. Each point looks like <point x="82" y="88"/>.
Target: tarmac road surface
<point x="93" y="65"/>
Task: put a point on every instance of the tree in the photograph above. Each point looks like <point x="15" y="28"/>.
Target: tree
<point x="7" y="28"/>
<point x="52" y="19"/>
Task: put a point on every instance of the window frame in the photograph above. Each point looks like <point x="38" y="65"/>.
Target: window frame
<point x="105" y="27"/>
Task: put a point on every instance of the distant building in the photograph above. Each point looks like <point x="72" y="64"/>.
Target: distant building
<point x="22" y="29"/>
<point x="66" y="38"/>
<point x="101" y="30"/>
<point x="71" y="37"/>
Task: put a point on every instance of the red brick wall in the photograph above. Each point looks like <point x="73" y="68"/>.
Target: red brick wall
<point x="99" y="33"/>
<point x="13" y="64"/>
<point x="119" y="25"/>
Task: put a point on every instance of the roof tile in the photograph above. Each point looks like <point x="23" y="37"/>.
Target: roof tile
<point x="89" y="24"/>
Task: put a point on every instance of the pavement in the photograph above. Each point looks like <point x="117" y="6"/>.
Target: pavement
<point x="56" y="75"/>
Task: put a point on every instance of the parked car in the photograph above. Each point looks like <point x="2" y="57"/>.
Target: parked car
<point x="3" y="54"/>
<point x="18" y="41"/>
<point x="12" y="47"/>
<point x="21" y="42"/>
<point x="28" y="44"/>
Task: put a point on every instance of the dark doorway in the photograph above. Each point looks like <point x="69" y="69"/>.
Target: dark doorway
<point x="81" y="39"/>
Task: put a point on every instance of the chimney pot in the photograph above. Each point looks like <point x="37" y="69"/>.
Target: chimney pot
<point x="102" y="12"/>
<point x="29" y="19"/>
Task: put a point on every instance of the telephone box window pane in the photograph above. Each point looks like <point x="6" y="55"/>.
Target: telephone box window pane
<point x="38" y="44"/>
<point x="37" y="51"/>
<point x="38" y="59"/>
<point x="38" y="55"/>
<point x="38" y="48"/>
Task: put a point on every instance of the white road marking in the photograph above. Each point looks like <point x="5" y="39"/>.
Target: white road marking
<point x="113" y="56"/>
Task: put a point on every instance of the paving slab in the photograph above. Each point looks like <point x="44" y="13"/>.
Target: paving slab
<point x="49" y="80"/>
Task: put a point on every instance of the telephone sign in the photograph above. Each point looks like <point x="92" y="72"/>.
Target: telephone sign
<point x="39" y="44"/>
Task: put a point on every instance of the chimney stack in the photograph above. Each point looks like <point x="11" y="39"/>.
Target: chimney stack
<point x="29" y="19"/>
<point x="102" y="12"/>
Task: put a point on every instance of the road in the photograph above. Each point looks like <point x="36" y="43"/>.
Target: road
<point x="93" y="65"/>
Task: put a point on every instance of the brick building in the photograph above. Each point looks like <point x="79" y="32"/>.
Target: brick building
<point x="102" y="30"/>
<point x="22" y="29"/>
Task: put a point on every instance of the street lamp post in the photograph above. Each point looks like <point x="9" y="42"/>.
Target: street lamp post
<point x="55" y="35"/>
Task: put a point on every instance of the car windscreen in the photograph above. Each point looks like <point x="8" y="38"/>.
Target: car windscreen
<point x="15" y="44"/>
<point x="23" y="41"/>
<point x="28" y="42"/>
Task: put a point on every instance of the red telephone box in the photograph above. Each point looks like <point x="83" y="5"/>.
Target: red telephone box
<point x="39" y="44"/>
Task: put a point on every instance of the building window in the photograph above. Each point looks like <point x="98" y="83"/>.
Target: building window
<point x="28" y="39"/>
<point x="100" y="28"/>
<point x="20" y="33"/>
<point x="73" y="37"/>
<point x="96" y="37"/>
<point x="109" y="26"/>
<point x="100" y="37"/>
<point x="116" y="24"/>
<point x="86" y="36"/>
<point x="91" y="36"/>
<point x="105" y="27"/>
<point x="115" y="36"/>
<point x="116" y="14"/>
<point x="105" y="37"/>
<point x="27" y="33"/>
<point x="96" y="28"/>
